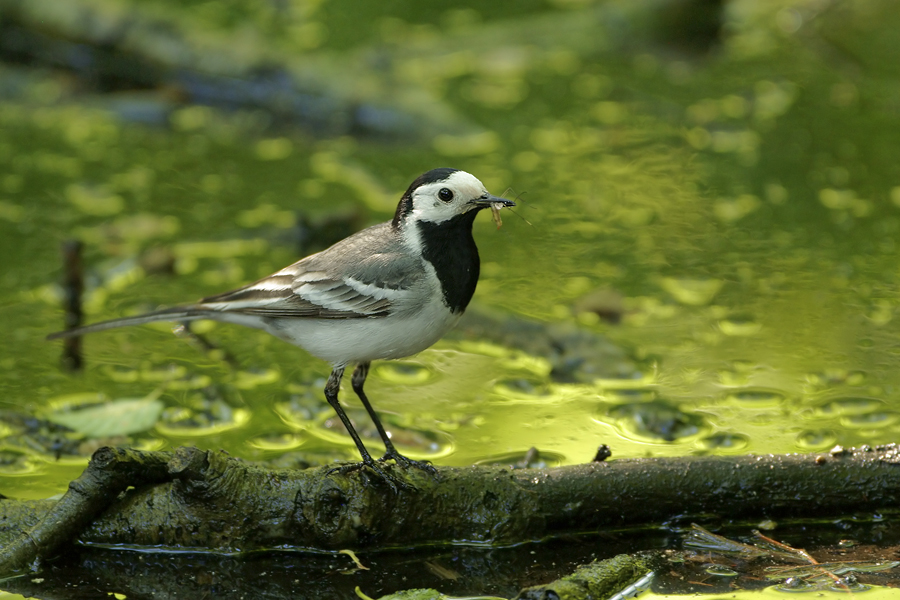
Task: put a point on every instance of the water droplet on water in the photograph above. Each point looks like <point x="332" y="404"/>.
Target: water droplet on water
<point x="816" y="440"/>
<point x="721" y="571"/>
<point x="145" y="373"/>
<point x="403" y="372"/>
<point x="213" y="417"/>
<point x="248" y="380"/>
<point x="794" y="584"/>
<point x="542" y="460"/>
<point x="755" y="397"/>
<point x="765" y="418"/>
<point x="692" y="292"/>
<point x="69" y="400"/>
<point x="840" y="407"/>
<point x="413" y="442"/>
<point x="642" y="378"/>
<point x="739" y="373"/>
<point x="848" y="583"/>
<point x="16" y="462"/>
<point x="631" y="396"/>
<point x="520" y="387"/>
<point x="873" y="420"/>
<point x="657" y="420"/>
<point x="880" y="313"/>
<point x="836" y="376"/>
<point x="739" y="326"/>
<point x="281" y="443"/>
<point x="724" y="441"/>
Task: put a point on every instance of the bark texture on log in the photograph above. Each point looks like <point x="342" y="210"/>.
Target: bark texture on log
<point x="199" y="499"/>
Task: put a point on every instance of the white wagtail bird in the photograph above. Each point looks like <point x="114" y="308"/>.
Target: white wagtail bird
<point x="388" y="291"/>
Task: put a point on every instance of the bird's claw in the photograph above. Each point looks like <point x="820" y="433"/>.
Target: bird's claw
<point x="406" y="463"/>
<point x="395" y="483"/>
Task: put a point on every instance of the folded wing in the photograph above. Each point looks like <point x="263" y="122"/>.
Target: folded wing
<point x="329" y="285"/>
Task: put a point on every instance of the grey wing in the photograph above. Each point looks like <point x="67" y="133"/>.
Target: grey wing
<point x="329" y="285"/>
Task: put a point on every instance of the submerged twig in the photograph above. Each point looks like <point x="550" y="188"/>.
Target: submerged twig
<point x="73" y="288"/>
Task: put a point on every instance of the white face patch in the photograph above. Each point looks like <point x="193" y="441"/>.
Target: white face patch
<point x="430" y="201"/>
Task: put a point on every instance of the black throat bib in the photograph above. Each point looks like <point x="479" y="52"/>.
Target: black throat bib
<point x="451" y="250"/>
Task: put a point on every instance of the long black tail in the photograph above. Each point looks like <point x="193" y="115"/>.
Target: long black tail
<point x="178" y="313"/>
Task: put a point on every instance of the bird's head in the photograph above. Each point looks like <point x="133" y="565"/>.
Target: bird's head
<point x="442" y="194"/>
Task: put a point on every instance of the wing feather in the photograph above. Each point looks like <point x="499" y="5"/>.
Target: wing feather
<point x="362" y="276"/>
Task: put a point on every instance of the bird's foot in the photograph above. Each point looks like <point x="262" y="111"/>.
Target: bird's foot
<point x="395" y="483"/>
<point x="406" y="463"/>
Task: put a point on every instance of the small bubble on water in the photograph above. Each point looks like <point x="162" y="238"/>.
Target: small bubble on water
<point x="756" y="397"/>
<point x="816" y="440"/>
<point x="528" y="459"/>
<point x="880" y="313"/>
<point x="871" y="420"/>
<point x="656" y="420"/>
<point x="277" y="442"/>
<point x="520" y="386"/>
<point x="721" y="571"/>
<point x="723" y="441"/>
<point x="836" y="376"/>
<point x="765" y="418"/>
<point x="629" y="395"/>
<point x="848" y="583"/>
<point x="794" y="584"/>
<point x="739" y="326"/>
<point x="403" y="372"/>
<point x="692" y="292"/>
<point x="212" y="418"/>
<point x="849" y="406"/>
<point x="738" y="374"/>
<point x="16" y="462"/>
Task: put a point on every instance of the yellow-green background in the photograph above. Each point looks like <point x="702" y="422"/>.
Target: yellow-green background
<point x="742" y="200"/>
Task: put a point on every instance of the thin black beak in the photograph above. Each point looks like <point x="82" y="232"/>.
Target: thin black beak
<point x="487" y="200"/>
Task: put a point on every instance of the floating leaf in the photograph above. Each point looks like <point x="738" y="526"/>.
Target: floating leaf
<point x="119" y="417"/>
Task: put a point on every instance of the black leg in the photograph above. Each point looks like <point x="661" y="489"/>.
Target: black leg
<point x="358" y="380"/>
<point x="332" y="387"/>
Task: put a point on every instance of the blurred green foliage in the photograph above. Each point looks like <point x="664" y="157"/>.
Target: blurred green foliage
<point x="732" y="203"/>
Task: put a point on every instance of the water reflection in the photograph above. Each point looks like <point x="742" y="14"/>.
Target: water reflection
<point x="724" y="441"/>
<point x="428" y="444"/>
<point x="711" y="265"/>
<point x="656" y="420"/>
<point x="404" y="372"/>
<point x="812" y="440"/>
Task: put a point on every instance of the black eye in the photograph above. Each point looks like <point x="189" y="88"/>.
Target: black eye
<point x="445" y="195"/>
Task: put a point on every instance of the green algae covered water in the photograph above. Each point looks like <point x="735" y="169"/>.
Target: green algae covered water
<point x="704" y="258"/>
<point x="725" y="221"/>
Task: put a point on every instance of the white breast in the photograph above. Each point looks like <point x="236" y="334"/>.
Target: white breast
<point x="344" y="341"/>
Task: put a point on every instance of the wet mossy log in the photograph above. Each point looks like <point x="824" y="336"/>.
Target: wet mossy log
<point x="600" y="579"/>
<point x="200" y="499"/>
